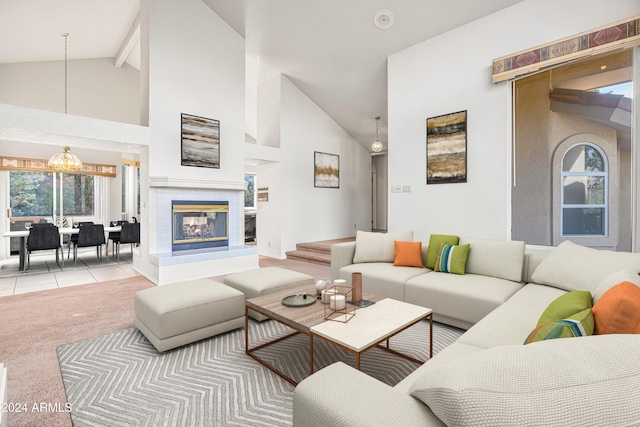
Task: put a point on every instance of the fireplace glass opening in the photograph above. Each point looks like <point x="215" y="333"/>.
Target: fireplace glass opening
<point x="198" y="225"/>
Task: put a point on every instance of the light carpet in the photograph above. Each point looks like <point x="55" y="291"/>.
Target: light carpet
<point x="120" y="379"/>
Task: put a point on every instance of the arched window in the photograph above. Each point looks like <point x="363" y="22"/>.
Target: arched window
<point x="584" y="191"/>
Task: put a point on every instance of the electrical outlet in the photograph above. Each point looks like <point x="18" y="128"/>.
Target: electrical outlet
<point x="396" y="189"/>
<point x="406" y="189"/>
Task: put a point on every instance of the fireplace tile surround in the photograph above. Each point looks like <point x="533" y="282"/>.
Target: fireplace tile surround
<point x="204" y="261"/>
<point x="165" y="196"/>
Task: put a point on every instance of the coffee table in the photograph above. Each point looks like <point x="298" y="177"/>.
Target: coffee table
<point x="369" y="328"/>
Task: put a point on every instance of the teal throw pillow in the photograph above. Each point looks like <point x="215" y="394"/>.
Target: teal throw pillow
<point x="434" y="247"/>
<point x="452" y="258"/>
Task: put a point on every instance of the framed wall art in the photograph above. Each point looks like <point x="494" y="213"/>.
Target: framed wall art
<point x="200" y="142"/>
<point x="326" y="170"/>
<point x="447" y="148"/>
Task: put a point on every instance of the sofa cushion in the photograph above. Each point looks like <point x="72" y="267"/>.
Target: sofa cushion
<point x="496" y="258"/>
<point x="382" y="278"/>
<point x="499" y="327"/>
<point x="618" y="311"/>
<point x="610" y="281"/>
<point x="452" y="258"/>
<point x="503" y="385"/>
<point x="378" y="247"/>
<point x="573" y="267"/>
<point x="578" y="325"/>
<point x="408" y="254"/>
<point x="468" y="298"/>
<point x="566" y="306"/>
<point x="435" y="240"/>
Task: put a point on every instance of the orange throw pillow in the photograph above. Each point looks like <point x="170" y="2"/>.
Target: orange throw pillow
<point x="618" y="310"/>
<point x="408" y="254"/>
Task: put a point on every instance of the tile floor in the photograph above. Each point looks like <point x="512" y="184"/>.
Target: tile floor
<point x="45" y="274"/>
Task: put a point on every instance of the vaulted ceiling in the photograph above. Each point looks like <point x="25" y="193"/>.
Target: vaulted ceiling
<point x="330" y="49"/>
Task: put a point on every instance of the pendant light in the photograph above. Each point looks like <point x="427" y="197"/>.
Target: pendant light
<point x="377" y="145"/>
<point x="65" y="161"/>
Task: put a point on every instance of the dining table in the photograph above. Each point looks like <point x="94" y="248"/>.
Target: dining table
<point x="64" y="231"/>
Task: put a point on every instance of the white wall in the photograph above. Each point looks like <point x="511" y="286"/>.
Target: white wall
<point x="450" y="73"/>
<point x="192" y="62"/>
<point x="196" y="66"/>
<point x="297" y="211"/>
<point x="95" y="88"/>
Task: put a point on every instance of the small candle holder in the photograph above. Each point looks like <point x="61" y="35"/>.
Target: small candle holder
<point x="337" y="308"/>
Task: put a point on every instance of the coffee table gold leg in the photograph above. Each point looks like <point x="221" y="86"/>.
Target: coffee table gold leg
<point x="310" y="354"/>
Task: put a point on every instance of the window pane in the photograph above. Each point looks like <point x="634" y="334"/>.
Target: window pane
<point x="583" y="190"/>
<point x="249" y="193"/>
<point x="583" y="221"/>
<point x="138" y="188"/>
<point x="31" y="193"/>
<point x="123" y="206"/>
<point x="583" y="158"/>
<point x="77" y="195"/>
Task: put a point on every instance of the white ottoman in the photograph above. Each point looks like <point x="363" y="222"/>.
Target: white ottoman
<point x="254" y="283"/>
<point x="181" y="313"/>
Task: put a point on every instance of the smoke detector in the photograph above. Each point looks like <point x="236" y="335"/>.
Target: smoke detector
<point x="383" y="19"/>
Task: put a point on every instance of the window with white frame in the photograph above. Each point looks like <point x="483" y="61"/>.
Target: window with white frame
<point x="584" y="191"/>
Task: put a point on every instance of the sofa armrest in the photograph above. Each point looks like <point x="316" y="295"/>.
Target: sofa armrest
<point x="341" y="255"/>
<point x="339" y="395"/>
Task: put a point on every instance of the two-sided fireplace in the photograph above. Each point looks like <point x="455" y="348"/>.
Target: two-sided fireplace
<point x="199" y="224"/>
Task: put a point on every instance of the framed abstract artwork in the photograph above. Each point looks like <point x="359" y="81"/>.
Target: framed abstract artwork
<point x="200" y="142"/>
<point x="447" y="148"/>
<point x="326" y="170"/>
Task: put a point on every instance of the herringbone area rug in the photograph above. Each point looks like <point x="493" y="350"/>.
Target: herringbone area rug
<point x="121" y="380"/>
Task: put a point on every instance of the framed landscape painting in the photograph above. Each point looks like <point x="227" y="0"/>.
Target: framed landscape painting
<point x="200" y="142"/>
<point x="326" y="170"/>
<point x="447" y="148"/>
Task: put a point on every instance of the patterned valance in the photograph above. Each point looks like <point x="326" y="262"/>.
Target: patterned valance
<point x="613" y="36"/>
<point x="130" y="162"/>
<point x="41" y="165"/>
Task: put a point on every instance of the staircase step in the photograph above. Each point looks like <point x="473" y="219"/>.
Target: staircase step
<point x="316" y="252"/>
<point x="310" y="256"/>
<point x="314" y="247"/>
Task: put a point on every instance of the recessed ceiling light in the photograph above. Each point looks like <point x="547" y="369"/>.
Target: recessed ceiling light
<point x="383" y="19"/>
<point x="604" y="67"/>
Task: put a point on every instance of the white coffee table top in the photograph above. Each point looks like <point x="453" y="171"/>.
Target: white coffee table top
<point x="372" y="324"/>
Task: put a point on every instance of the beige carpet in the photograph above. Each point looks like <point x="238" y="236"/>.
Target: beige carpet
<point x="33" y="325"/>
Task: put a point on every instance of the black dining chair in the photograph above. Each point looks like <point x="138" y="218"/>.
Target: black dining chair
<point x="114" y="236"/>
<point x="130" y="233"/>
<point x="44" y="236"/>
<point x="89" y="235"/>
<point x="74" y="237"/>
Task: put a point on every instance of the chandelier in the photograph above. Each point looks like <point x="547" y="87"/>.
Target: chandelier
<point x="66" y="160"/>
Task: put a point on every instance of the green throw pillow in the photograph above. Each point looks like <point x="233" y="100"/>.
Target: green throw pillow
<point x="566" y="306"/>
<point x="434" y="247"/>
<point x="579" y="325"/>
<point x="452" y="258"/>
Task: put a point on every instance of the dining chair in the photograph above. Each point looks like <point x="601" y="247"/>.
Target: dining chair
<point x="114" y="236"/>
<point x="44" y="236"/>
<point x="130" y="233"/>
<point x="74" y="237"/>
<point x="89" y="235"/>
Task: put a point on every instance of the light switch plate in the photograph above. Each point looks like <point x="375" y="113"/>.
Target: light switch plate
<point x="396" y="189"/>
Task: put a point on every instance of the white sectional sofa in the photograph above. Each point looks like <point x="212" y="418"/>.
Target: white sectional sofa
<point x="495" y="270"/>
<point x="488" y="377"/>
